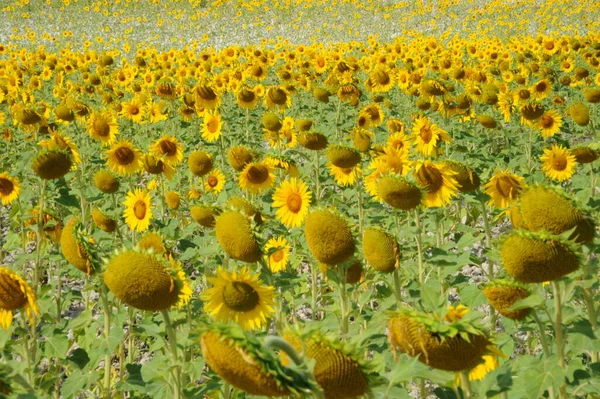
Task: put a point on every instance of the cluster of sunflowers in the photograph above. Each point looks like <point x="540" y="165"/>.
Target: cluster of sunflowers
<point x="279" y="206"/>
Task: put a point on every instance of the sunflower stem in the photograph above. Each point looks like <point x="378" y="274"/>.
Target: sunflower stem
<point x="559" y="334"/>
<point x="465" y="384"/>
<point x="542" y="329"/>
<point x="163" y="215"/>
<point x="361" y="211"/>
<point x="418" y="238"/>
<point x="343" y="299"/>
<point x="314" y="290"/>
<point x="530" y="151"/>
<point x="247" y="125"/>
<point x="591" y="307"/>
<point x="27" y="350"/>
<point x="82" y="201"/>
<point x="107" y="358"/>
<point x="488" y="244"/>
<point x="593" y="180"/>
<point x="172" y="336"/>
<point x="58" y="296"/>
<point x="397" y="285"/>
<point x="23" y="234"/>
<point x="39" y="238"/>
<point x="317" y="182"/>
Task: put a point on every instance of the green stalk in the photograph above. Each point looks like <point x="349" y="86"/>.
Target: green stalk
<point x="559" y="334"/>
<point x="545" y="346"/>
<point x="343" y="300"/>
<point x="466" y="385"/>
<point x="107" y="358"/>
<point x="419" y="240"/>
<point x="39" y="238"/>
<point x="314" y="289"/>
<point x="490" y="271"/>
<point x="173" y="347"/>
<point x="593" y="180"/>
<point x="591" y="308"/>
<point x="27" y="350"/>
<point x="317" y="182"/>
<point x="397" y="285"/>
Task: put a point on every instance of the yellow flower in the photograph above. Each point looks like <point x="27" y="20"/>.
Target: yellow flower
<point x="292" y="199"/>
<point x="239" y="296"/>
<point x="102" y="125"/>
<point x="15" y="293"/>
<point x="427" y="136"/>
<point x="256" y="177"/>
<point x="278" y="254"/>
<point x="169" y="149"/>
<point x="504" y="188"/>
<point x="558" y="163"/>
<point x="549" y="124"/>
<point x="345" y="176"/>
<point x="138" y="211"/>
<point x="438" y="182"/>
<point x="133" y="110"/>
<point x="124" y="158"/>
<point x="211" y="126"/>
<point x="9" y="188"/>
<point x="215" y="181"/>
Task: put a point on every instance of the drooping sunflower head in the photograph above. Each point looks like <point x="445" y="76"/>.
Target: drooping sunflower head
<point x="152" y="242"/>
<point x="399" y="192"/>
<point x="329" y="237"/>
<point x="52" y="164"/>
<point x="453" y="343"/>
<point x="381" y="250"/>
<point x="173" y="200"/>
<point x="313" y="141"/>
<point x="200" y="163"/>
<point x="64" y="113"/>
<point x="303" y="125"/>
<point x="580" y="114"/>
<point x="103" y="222"/>
<point x="532" y="111"/>
<point x="152" y="164"/>
<point x="206" y="96"/>
<point x="504" y="188"/>
<point x="246" y="207"/>
<point x="169" y="149"/>
<point x="236" y="237"/>
<point x="204" y="215"/>
<point x="592" y="95"/>
<point x="241" y="360"/>
<point x="466" y="178"/>
<point x="438" y="182"/>
<point x="241" y="297"/>
<point x="537" y="257"/>
<point x="146" y="281"/>
<point x="103" y="126"/>
<point x="271" y="121"/>
<point x="502" y="294"/>
<point x="15" y="294"/>
<point x="546" y="208"/>
<point x="339" y="369"/>
<point x="105" y="181"/>
<point x="238" y="157"/>
<point x="77" y="248"/>
<point x="342" y="156"/>
<point x="585" y="154"/>
<point x="362" y="140"/>
<point x="321" y="94"/>
<point x="487" y="121"/>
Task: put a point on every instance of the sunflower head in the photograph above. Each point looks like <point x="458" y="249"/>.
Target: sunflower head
<point x="236" y="237"/>
<point x="256" y="176"/>
<point x="399" y="192"/>
<point x="303" y="125"/>
<point x="546" y="208"/>
<point x="584" y="154"/>
<point x="313" y="141"/>
<point x="204" y="215"/>
<point x="532" y="111"/>
<point x="381" y="250"/>
<point x="64" y="113"/>
<point x="486" y="121"/>
<point x="144" y="280"/>
<point x="247" y="208"/>
<point x="9" y="188"/>
<point x="467" y="179"/>
<point x="271" y="122"/>
<point x="342" y="156"/>
<point x="241" y="360"/>
<point x="537" y="257"/>
<point x="502" y="294"/>
<point x="339" y="369"/>
<point x="103" y="222"/>
<point x="106" y="182"/>
<point x="15" y="294"/>
<point x="592" y="95"/>
<point x="154" y="242"/>
<point x="329" y="237"/>
<point x="321" y="94"/>
<point x="238" y="157"/>
<point x="200" y="163"/>
<point x="52" y="164"/>
<point x="580" y="114"/>
<point x="152" y="164"/>
<point x="362" y="140"/>
<point x="451" y="344"/>
<point x="77" y="248"/>
<point x="172" y="199"/>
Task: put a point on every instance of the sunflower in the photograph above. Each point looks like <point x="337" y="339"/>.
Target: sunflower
<point x="427" y="136"/>
<point x="256" y="177"/>
<point x="133" y="110"/>
<point x="215" y="181"/>
<point x="549" y="124"/>
<point x="102" y="126"/>
<point x="277" y="253"/>
<point x="211" y="126"/>
<point x="15" y="293"/>
<point x="239" y="296"/>
<point x="9" y="188"/>
<point x="124" y="158"/>
<point x="344" y="176"/>
<point x="58" y="142"/>
<point x="246" y="98"/>
<point x="558" y="163"/>
<point x="541" y="89"/>
<point x="438" y="182"/>
<point x="292" y="199"/>
<point x="504" y="188"/>
<point x="169" y="149"/>
<point x="138" y="211"/>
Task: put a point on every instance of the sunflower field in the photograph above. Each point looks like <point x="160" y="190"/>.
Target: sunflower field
<point x="299" y="198"/>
